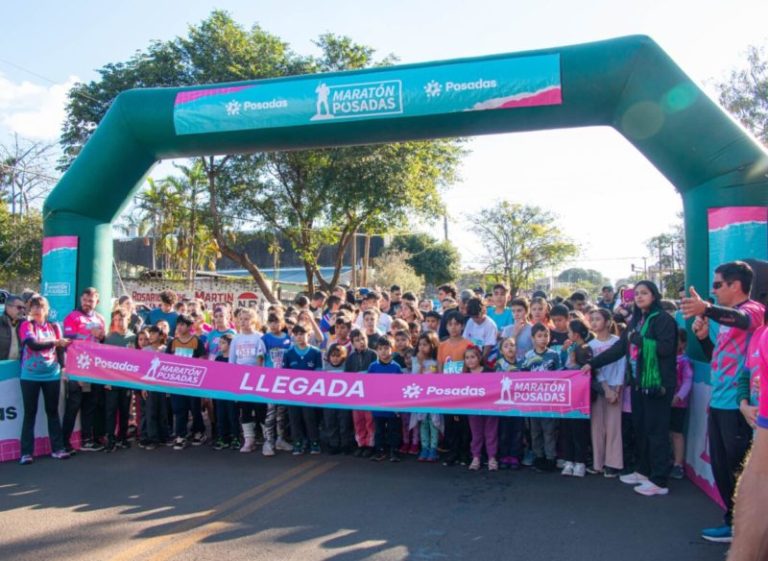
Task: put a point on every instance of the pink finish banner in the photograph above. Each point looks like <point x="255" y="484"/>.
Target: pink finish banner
<point x="563" y="393"/>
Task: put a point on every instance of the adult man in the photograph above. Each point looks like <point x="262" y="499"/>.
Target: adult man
<point x="85" y="324"/>
<point x="729" y="433"/>
<point x="9" y="326"/>
<point x="579" y="301"/>
<point x="607" y="299"/>
<point x="316" y="304"/>
<point x="750" y="542"/>
<point x="395" y="296"/>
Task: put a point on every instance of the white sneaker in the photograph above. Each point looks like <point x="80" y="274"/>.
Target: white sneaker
<point x="633" y="478"/>
<point x="282" y="445"/>
<point x="567" y="469"/>
<point x="649" y="488"/>
<point x="579" y="470"/>
<point x="560" y="463"/>
<point x="248" y="445"/>
<point x="267" y="449"/>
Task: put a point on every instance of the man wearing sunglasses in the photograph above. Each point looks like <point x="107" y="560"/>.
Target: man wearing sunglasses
<point x="9" y="325"/>
<point x="730" y="434"/>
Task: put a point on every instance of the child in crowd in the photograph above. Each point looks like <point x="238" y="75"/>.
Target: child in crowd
<point x="429" y="425"/>
<point x="607" y="447"/>
<point x="337" y="422"/>
<point x="276" y="342"/>
<point x="680" y="404"/>
<point x="155" y="403"/>
<point x="370" y="319"/>
<point x="359" y="360"/>
<point x="304" y="422"/>
<point x="543" y="431"/>
<point x="342" y="329"/>
<point x="401" y="345"/>
<point x="510" y="428"/>
<point x="117" y="401"/>
<point x="247" y="348"/>
<point x="575" y="432"/>
<point x="414" y="328"/>
<point x="450" y="360"/>
<point x="484" y="428"/>
<point x="521" y="329"/>
<point x="431" y="321"/>
<point x="227" y="427"/>
<point x="388" y="424"/>
<point x="540" y="311"/>
<point x="499" y="312"/>
<point x="480" y="329"/>
<point x="558" y="333"/>
<point x="220" y="327"/>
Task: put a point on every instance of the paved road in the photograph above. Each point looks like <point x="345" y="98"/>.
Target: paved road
<point x="198" y="504"/>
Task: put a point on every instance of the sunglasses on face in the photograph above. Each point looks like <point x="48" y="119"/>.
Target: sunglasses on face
<point x="717" y="285"/>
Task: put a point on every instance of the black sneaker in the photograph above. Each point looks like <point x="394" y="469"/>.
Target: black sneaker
<point x="71" y="451"/>
<point x="379" y="457"/>
<point x="110" y="447"/>
<point x="150" y="446"/>
<point x="610" y="473"/>
<point x="220" y="444"/>
<point x="367" y="452"/>
<point x="235" y="444"/>
<point x="143" y="443"/>
<point x="394" y="457"/>
<point x="359" y="452"/>
<point x="124" y="444"/>
<point x="91" y="446"/>
<point x="180" y="443"/>
<point x="198" y="439"/>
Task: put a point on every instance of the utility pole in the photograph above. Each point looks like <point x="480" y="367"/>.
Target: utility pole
<point x="661" y="277"/>
<point x="445" y="225"/>
<point x="366" y="258"/>
<point x="354" y="260"/>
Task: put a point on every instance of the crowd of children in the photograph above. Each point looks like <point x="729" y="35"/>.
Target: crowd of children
<point x="386" y="333"/>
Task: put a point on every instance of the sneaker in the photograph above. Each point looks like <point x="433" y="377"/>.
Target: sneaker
<point x="283" y="446"/>
<point x="235" y="444"/>
<point x="561" y="463"/>
<point x="26" y="459"/>
<point x="359" y="452"/>
<point x="475" y="465"/>
<point x="633" y="478"/>
<point x="248" y="445"/>
<point x="71" y="451"/>
<point x="150" y="446"/>
<point x="267" y="449"/>
<point x="544" y="465"/>
<point x="110" y="447"/>
<point x="579" y="470"/>
<point x="298" y="448"/>
<point x="314" y="448"/>
<point x="721" y="534"/>
<point x="91" y="446"/>
<point x="432" y="456"/>
<point x="414" y="450"/>
<point x="450" y="460"/>
<point x="493" y="464"/>
<point x="379" y="456"/>
<point x="60" y="455"/>
<point x="198" y="439"/>
<point x="567" y="469"/>
<point x="593" y="471"/>
<point x="610" y="473"/>
<point x="180" y="443"/>
<point x="394" y="457"/>
<point x="404" y="449"/>
<point x="649" y="489"/>
<point x="124" y="444"/>
<point x="423" y="455"/>
<point x="143" y="443"/>
<point x="220" y="444"/>
<point x="677" y="472"/>
<point x="169" y="442"/>
<point x="528" y="458"/>
<point x="367" y="452"/>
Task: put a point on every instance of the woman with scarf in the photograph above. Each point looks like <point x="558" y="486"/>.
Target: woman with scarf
<point x="650" y="343"/>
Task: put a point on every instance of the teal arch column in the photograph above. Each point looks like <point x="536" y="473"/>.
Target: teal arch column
<point x="628" y="83"/>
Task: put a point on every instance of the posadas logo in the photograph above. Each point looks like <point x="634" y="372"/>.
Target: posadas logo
<point x="175" y="373"/>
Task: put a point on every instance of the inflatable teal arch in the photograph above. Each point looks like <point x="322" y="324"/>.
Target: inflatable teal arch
<point x="627" y="83"/>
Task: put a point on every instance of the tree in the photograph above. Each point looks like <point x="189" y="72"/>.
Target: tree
<point x="577" y="275"/>
<point x="20" y="248"/>
<point x="745" y="93"/>
<point x="520" y="241"/>
<point x="667" y="252"/>
<point x="392" y="268"/>
<point x="306" y="196"/>
<point x="437" y="262"/>
<point x="25" y="173"/>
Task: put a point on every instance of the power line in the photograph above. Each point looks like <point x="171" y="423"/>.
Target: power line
<point x="32" y="73"/>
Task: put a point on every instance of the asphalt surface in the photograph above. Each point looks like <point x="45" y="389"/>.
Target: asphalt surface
<point x="199" y="504"/>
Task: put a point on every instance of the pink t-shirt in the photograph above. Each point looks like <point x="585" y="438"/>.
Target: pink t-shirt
<point x="762" y="413"/>
<point x="78" y="325"/>
<point x="41" y="366"/>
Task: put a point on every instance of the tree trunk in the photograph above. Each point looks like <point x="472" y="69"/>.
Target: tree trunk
<point x="366" y="258"/>
<point x="353" y="272"/>
<point x="224" y="247"/>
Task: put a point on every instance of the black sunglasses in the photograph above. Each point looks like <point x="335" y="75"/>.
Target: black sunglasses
<point x="717" y="285"/>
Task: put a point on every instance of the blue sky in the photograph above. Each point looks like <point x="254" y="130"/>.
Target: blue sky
<point x="609" y="198"/>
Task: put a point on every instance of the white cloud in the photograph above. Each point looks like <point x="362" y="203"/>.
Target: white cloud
<point x="31" y="110"/>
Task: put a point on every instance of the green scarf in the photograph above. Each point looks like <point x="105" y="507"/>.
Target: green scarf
<point x="651" y="376"/>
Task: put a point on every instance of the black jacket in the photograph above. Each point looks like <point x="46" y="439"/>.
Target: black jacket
<point x="663" y="329"/>
<point x="7" y="330"/>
